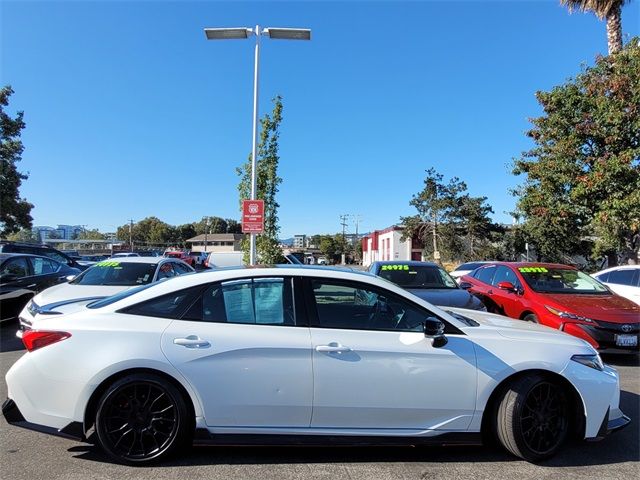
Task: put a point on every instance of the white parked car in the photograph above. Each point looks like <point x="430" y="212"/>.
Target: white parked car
<point x="465" y="269"/>
<point x="302" y="354"/>
<point x="104" y="279"/>
<point x="624" y="280"/>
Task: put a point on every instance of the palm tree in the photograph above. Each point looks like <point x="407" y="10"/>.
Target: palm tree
<point x="609" y="9"/>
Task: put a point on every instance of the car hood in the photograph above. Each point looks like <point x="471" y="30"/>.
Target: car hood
<point x="448" y="297"/>
<point x="69" y="291"/>
<point x="611" y="308"/>
<point x="515" y="329"/>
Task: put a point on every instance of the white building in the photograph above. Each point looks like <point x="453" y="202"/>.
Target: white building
<point x="216" y="242"/>
<point x="387" y="244"/>
<point x="299" y="241"/>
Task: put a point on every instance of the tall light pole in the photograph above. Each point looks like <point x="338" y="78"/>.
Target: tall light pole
<point x="243" y="33"/>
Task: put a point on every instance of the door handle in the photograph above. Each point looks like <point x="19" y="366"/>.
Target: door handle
<point x="192" y="341"/>
<point x="32" y="285"/>
<point x="332" y="348"/>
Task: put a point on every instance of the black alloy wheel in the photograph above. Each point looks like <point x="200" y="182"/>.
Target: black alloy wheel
<point x="533" y="418"/>
<point x="531" y="317"/>
<point x="141" y="418"/>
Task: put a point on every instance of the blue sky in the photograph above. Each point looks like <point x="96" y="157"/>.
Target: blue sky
<point x="131" y="112"/>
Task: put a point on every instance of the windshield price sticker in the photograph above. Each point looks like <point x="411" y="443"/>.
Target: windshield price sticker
<point x="533" y="270"/>
<point x="395" y="267"/>
<point x="109" y="263"/>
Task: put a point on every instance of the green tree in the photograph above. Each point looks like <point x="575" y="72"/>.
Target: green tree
<point x="23" y="235"/>
<point x="611" y="10"/>
<point x="474" y="225"/>
<point x="93" y="234"/>
<point x="438" y="206"/>
<point x="267" y="179"/>
<point x="582" y="178"/>
<point x="15" y="212"/>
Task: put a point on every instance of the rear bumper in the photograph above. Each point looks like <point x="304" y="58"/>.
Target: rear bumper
<point x="13" y="416"/>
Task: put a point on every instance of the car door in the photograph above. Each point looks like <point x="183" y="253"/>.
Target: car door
<point x="16" y="286"/>
<point x="375" y="369"/>
<point x="247" y="352"/>
<point x="508" y="302"/>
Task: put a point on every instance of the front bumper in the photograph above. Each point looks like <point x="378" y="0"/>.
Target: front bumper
<point x="13" y="416"/>
<point x="609" y="426"/>
<point x="606" y="335"/>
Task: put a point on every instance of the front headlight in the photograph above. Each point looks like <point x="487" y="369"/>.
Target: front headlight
<point x="591" y="361"/>
<point x="568" y="315"/>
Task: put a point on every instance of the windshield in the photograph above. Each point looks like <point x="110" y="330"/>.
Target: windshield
<point x="115" y="272"/>
<point x="561" y="280"/>
<point x="417" y="276"/>
<point x="118" y="296"/>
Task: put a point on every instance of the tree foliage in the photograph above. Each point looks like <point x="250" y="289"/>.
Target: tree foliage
<point x="582" y="178"/>
<point x="449" y="220"/>
<point x="267" y="179"/>
<point x="92" y="234"/>
<point x="15" y="212"/>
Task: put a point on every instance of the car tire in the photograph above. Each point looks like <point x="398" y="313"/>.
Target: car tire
<point x="142" y="419"/>
<point x="531" y="317"/>
<point x="532" y="420"/>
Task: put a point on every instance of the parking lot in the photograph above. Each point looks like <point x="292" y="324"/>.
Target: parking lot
<point x="28" y="455"/>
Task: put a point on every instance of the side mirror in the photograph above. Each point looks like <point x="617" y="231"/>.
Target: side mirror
<point x="508" y="286"/>
<point x="71" y="278"/>
<point x="465" y="285"/>
<point x="434" y="328"/>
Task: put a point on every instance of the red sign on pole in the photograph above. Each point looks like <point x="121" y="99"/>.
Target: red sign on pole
<point x="252" y="216"/>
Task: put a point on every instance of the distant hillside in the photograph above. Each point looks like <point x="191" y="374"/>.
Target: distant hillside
<point x="286" y="241"/>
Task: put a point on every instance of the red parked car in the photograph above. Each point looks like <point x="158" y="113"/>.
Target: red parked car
<point x="184" y="256"/>
<point x="558" y="296"/>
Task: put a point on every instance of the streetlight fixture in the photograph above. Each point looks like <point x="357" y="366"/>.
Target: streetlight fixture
<point x="241" y="33"/>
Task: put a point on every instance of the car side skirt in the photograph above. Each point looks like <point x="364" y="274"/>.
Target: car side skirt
<point x="204" y="437"/>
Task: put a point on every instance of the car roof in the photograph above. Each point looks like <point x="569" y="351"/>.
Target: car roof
<point x="137" y="259"/>
<point x="532" y="264"/>
<point x="4" y="256"/>
<point x="618" y="267"/>
<point x="412" y="263"/>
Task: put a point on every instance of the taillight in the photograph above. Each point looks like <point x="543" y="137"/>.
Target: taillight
<point x="34" y="339"/>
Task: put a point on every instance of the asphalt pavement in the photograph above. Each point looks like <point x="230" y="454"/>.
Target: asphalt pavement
<point x="29" y="455"/>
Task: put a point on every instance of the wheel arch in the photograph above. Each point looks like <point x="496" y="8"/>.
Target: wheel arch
<point x="578" y="421"/>
<point x="92" y="404"/>
<point x="525" y="313"/>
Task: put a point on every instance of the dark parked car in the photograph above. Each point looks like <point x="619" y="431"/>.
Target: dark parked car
<point x="42" y="250"/>
<point x="22" y="276"/>
<point x="427" y="281"/>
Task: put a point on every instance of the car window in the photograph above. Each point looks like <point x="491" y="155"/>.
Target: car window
<point x="485" y="274"/>
<point x="43" y="266"/>
<point x="166" y="271"/>
<point x="354" y="306"/>
<point x="505" y="274"/>
<point x="622" y="277"/>
<point x="261" y="301"/>
<point x="181" y="269"/>
<point x="561" y="280"/>
<point x="469" y="266"/>
<point x="603" y="277"/>
<point x="116" y="272"/>
<point x="417" y="276"/>
<point x="16" y="266"/>
<point x="171" y="305"/>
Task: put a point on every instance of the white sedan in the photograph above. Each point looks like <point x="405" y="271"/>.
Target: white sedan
<point x="103" y="279"/>
<point x="302" y="355"/>
<point x="623" y="280"/>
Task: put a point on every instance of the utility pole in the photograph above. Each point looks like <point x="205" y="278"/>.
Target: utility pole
<point x="343" y="222"/>
<point x="206" y="233"/>
<point x="131" y="234"/>
<point x="357" y="218"/>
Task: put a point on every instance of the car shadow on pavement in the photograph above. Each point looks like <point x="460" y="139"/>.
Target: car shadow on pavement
<point x="623" y="446"/>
